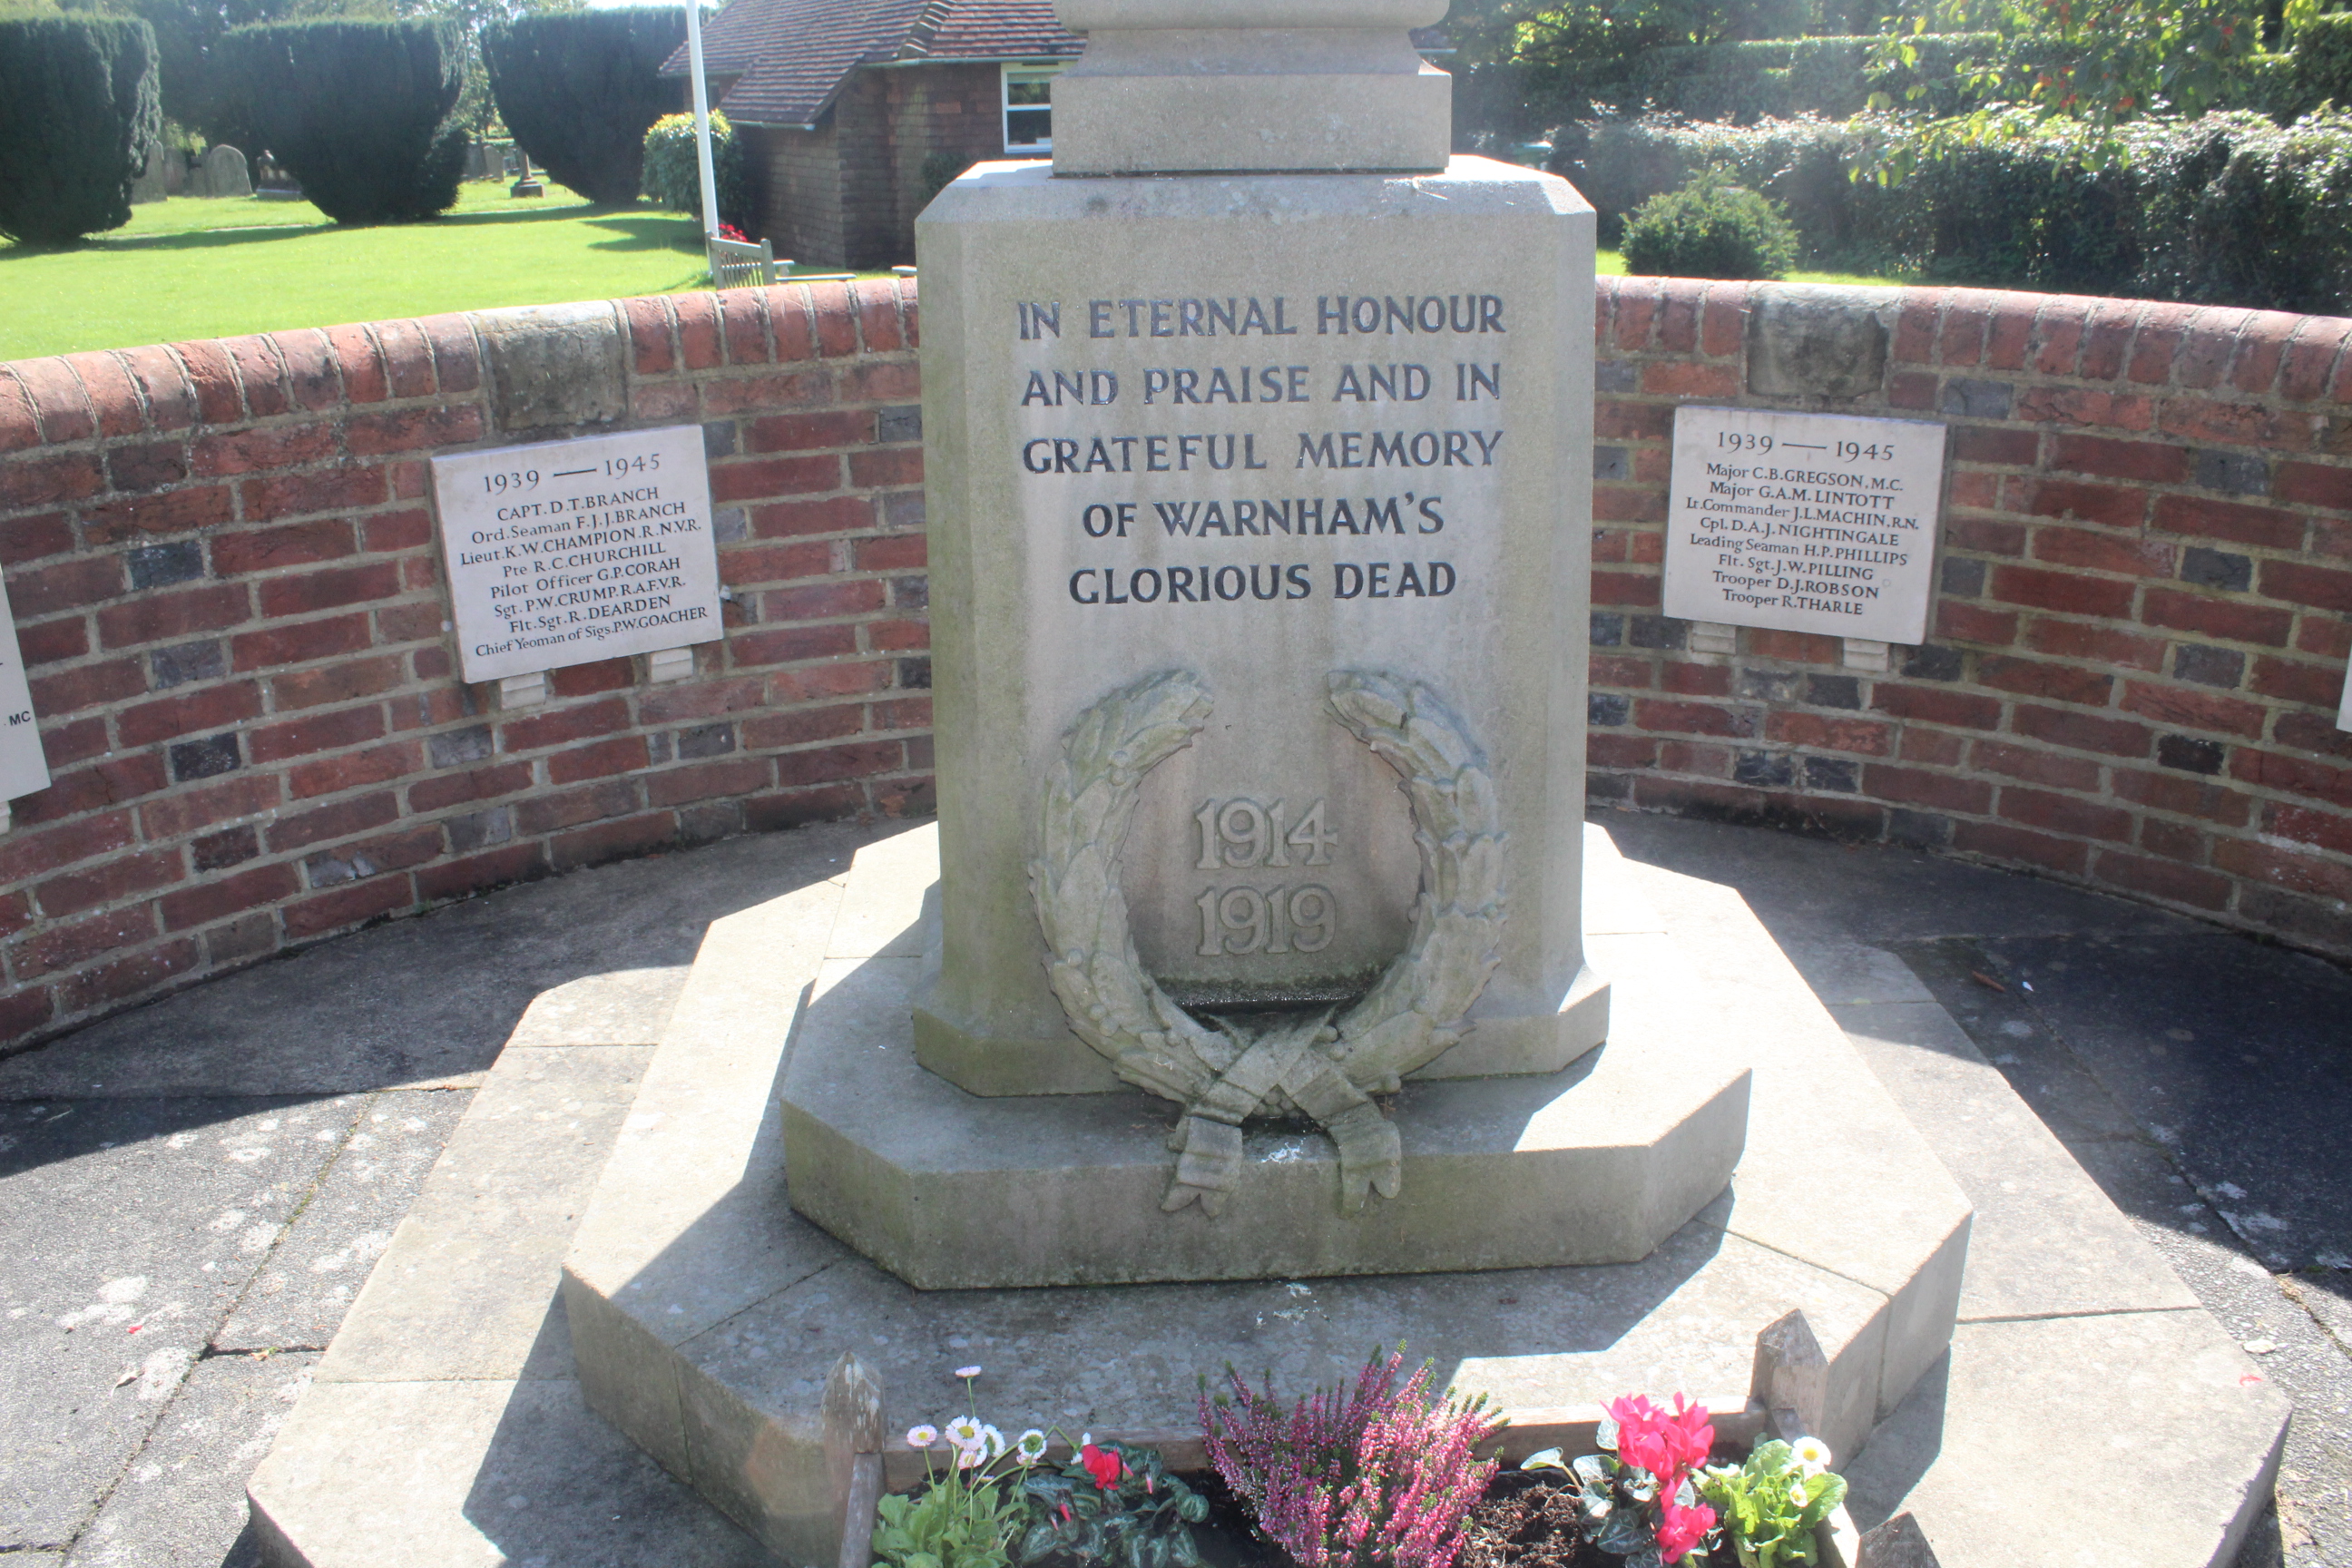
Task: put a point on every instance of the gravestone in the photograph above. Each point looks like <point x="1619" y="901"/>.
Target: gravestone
<point x="222" y="173"/>
<point x="1258" y="504"/>
<point x="148" y="186"/>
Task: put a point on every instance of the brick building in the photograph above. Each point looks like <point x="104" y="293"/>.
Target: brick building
<point x="855" y="112"/>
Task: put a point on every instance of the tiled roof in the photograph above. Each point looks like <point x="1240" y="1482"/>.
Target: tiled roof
<point x="793" y="54"/>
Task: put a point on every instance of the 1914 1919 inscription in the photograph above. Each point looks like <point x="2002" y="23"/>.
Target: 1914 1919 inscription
<point x="1805" y="523"/>
<point x="569" y="551"/>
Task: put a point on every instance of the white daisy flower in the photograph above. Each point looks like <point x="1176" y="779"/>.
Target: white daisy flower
<point x="921" y="1436"/>
<point x="1030" y="1446"/>
<point x="967" y="1371"/>
<point x="964" y="1432"/>
<point x="992" y="1444"/>
<point x="1811" y="1454"/>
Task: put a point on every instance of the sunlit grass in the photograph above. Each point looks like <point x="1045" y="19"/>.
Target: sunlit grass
<point x="214" y="267"/>
<point x="1610" y="263"/>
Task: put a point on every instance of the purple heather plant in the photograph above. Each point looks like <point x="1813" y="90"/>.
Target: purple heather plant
<point x="1380" y="1477"/>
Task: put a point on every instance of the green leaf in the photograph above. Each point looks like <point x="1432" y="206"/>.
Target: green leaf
<point x="1594" y="1471"/>
<point x="1623" y="1533"/>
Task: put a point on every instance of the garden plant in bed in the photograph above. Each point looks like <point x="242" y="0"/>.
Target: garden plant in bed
<point x="1385" y="1474"/>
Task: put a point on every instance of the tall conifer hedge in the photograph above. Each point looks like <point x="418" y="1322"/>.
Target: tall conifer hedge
<point x="78" y="113"/>
<point x="578" y="90"/>
<point x="360" y="112"/>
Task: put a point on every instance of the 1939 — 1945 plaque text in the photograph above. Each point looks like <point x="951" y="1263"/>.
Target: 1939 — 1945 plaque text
<point x="569" y="551"/>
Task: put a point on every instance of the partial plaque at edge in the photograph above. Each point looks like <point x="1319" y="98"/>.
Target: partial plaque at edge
<point x="23" y="767"/>
<point x="1804" y="523"/>
<point x="565" y="552"/>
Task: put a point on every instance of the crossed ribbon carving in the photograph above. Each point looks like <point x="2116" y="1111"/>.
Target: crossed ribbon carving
<point x="1325" y="1068"/>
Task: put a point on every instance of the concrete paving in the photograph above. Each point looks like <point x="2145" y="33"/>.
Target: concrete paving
<point x="309" y="1098"/>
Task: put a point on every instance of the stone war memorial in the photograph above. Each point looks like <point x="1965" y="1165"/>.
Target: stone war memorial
<point x="1259" y="993"/>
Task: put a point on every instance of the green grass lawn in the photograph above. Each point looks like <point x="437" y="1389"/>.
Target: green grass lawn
<point x="192" y="268"/>
<point x="188" y="268"/>
<point x="1609" y="263"/>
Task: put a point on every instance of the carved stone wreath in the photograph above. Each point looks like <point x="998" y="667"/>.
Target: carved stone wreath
<point x="1327" y="1069"/>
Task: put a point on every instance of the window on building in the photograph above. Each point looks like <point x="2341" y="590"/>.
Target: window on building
<point x="1028" y="108"/>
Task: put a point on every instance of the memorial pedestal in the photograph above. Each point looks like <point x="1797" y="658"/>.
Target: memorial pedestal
<point x="1597" y="1164"/>
<point x="706" y="1314"/>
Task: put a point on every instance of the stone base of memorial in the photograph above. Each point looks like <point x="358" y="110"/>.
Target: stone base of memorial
<point x="1596" y="1164"/>
<point x="707" y="1315"/>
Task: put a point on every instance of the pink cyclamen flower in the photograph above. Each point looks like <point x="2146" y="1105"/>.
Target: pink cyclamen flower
<point x="1682" y="1529"/>
<point x="1101" y="1464"/>
<point x="1687" y="1434"/>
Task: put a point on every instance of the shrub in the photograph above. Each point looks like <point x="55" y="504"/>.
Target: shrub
<point x="578" y="90"/>
<point x="78" y="113"/>
<point x="1709" y="229"/>
<point x="360" y="112"/>
<point x="672" y="178"/>
<point x="1379" y="1479"/>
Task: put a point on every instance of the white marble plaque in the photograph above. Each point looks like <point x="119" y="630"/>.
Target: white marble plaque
<point x="569" y="551"/>
<point x="24" y="769"/>
<point x="1804" y="523"/>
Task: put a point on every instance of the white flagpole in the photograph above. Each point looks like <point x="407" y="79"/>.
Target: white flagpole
<point x="701" y="118"/>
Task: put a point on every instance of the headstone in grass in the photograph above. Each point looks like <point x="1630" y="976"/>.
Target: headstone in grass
<point x="222" y="173"/>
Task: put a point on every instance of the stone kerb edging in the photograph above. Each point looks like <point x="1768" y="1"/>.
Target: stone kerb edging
<point x="2145" y="606"/>
<point x="221" y="561"/>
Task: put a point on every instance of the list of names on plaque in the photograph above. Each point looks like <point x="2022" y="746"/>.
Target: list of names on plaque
<point x="1804" y="523"/>
<point x="569" y="551"/>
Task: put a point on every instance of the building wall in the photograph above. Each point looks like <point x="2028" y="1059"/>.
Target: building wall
<point x="222" y="565"/>
<point x="797" y="177"/>
<point x="847" y="194"/>
<point x="222" y="562"/>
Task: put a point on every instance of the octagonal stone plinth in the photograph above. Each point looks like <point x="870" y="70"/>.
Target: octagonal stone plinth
<point x="1597" y="1164"/>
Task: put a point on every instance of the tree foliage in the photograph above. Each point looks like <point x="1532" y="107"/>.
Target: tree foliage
<point x="78" y="114"/>
<point x="673" y="173"/>
<point x="362" y="113"/>
<point x="578" y="90"/>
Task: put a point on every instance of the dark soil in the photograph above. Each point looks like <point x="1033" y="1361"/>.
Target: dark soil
<point x="1525" y="1521"/>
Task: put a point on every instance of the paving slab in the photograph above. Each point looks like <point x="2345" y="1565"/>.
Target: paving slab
<point x="495" y="1473"/>
<point x="350" y="1014"/>
<point x="133" y="1226"/>
<point x="2159" y="1447"/>
<point x="2233" y="1053"/>
<point x="2046" y="1242"/>
<point x="462" y="1287"/>
<point x="299" y="1297"/>
<point x="183" y="1495"/>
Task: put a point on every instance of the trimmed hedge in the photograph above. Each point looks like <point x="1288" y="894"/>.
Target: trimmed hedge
<point x="360" y="112"/>
<point x="1709" y="229"/>
<point x="579" y="88"/>
<point x="78" y="113"/>
<point x="2228" y="209"/>
<point x="673" y="178"/>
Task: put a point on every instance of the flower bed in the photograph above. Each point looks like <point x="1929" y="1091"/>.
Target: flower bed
<point x="1390" y="1473"/>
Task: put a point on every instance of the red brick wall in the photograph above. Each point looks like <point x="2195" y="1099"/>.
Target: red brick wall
<point x="222" y="563"/>
<point x="2146" y="610"/>
<point x="796" y="175"/>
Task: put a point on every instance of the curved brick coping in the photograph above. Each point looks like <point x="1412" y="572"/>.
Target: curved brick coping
<point x="222" y="565"/>
<point x="2145" y="599"/>
<point x="223" y="573"/>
